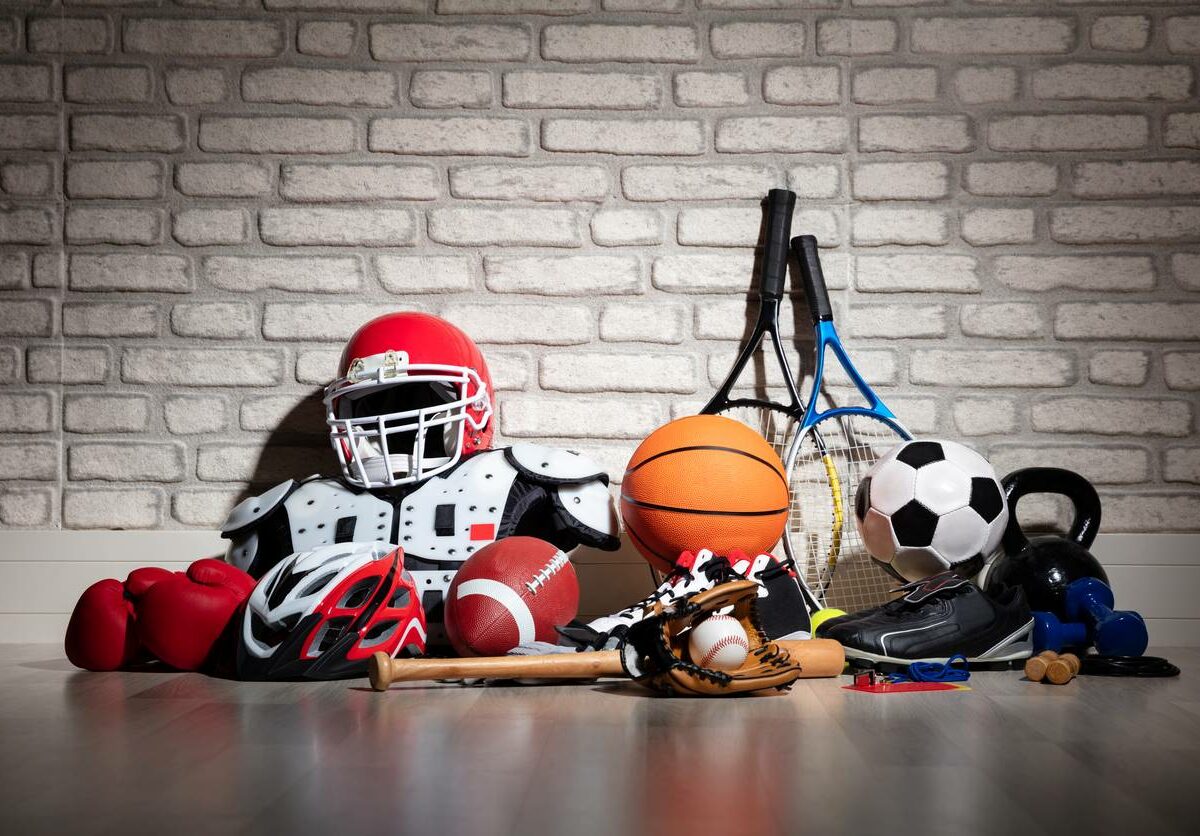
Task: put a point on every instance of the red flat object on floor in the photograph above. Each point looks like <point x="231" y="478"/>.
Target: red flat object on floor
<point x="906" y="687"/>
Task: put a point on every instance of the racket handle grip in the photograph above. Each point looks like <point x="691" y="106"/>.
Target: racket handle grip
<point x="780" y="204"/>
<point x="805" y="248"/>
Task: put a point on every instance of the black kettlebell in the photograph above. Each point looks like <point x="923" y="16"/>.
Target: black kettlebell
<point x="1044" y="565"/>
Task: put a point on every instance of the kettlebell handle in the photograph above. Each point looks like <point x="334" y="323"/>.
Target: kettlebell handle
<point x="1053" y="480"/>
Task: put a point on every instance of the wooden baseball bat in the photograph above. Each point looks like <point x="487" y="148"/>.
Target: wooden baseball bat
<point x="818" y="657"/>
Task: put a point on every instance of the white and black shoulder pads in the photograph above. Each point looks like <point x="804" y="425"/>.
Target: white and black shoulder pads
<point x="553" y="466"/>
<point x="578" y="488"/>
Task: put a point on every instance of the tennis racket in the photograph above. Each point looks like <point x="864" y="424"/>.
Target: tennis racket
<point x="834" y="448"/>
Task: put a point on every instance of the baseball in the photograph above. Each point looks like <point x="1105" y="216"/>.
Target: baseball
<point x="719" y="642"/>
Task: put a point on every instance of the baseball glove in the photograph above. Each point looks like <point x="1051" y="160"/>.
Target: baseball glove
<point x="655" y="650"/>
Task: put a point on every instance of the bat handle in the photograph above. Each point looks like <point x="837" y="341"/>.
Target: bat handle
<point x="379" y="670"/>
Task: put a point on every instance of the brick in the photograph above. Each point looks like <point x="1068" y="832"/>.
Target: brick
<point x="1121" y="33"/>
<point x="28" y="412"/>
<point x="725" y="319"/>
<point x="338" y="227"/>
<point x="984" y="85"/>
<point x="556" y="183"/>
<point x="209" y="38"/>
<point x="897" y="321"/>
<point x="1150" y="513"/>
<point x="993" y="35"/>
<point x="25" y="83"/>
<point x="1113" y="82"/>
<point x="10" y="364"/>
<point x="626" y="227"/>
<point x="915" y="133"/>
<point x="327" y="38"/>
<point x="201" y="367"/>
<point x="1186" y="269"/>
<point x="575" y="275"/>
<point x="902" y="273"/>
<point x="642" y="5"/>
<point x="14" y="271"/>
<point x="1138" y="178"/>
<point x="703" y="273"/>
<point x="106" y="413"/>
<point x="896" y="85"/>
<point x="537" y="7"/>
<point x="196" y="85"/>
<point x="769" y="4"/>
<point x="509" y="370"/>
<point x="203" y="509"/>
<point x="1181" y="464"/>
<point x="641" y="322"/>
<point x="276" y="135"/>
<point x="741" y="227"/>
<point x="68" y="365"/>
<point x="989" y="227"/>
<point x="663" y="137"/>
<point x="246" y="463"/>
<point x="29" y="132"/>
<point x="1106" y="273"/>
<point x="318" y="367"/>
<point x="28" y="225"/>
<point x="875" y="226"/>
<point x="49" y="270"/>
<point x="1183" y="34"/>
<point x="108" y="84"/>
<point x="1107" y="465"/>
<point x="214" y="320"/>
<point x="449" y="42"/>
<point x="27" y="507"/>
<point x="1182" y="130"/>
<point x="76" y="35"/>
<point x="1009" y="320"/>
<point x="27" y="318"/>
<point x="1068" y="132"/>
<point x="1119" y="368"/>
<point x="505" y="227"/>
<point x="105" y="132"/>
<point x="591" y="90"/>
<point x="110" y="319"/>
<point x="222" y="179"/>
<point x="298" y="85"/>
<point x="990" y="368"/>
<point x="900" y="181"/>
<point x="134" y="179"/>
<point x="424" y="273"/>
<point x="129" y="272"/>
<point x="844" y="36"/>
<point x="1128" y="321"/>
<point x="815" y="181"/>
<point x="757" y="40"/>
<point x="782" y="134"/>
<point x="301" y="413"/>
<point x="117" y="462"/>
<point x="468" y="135"/>
<point x="106" y="225"/>
<point x="813" y="85"/>
<point x="34" y="460"/>
<point x="1182" y="370"/>
<point x="317" y="320"/>
<point x="1102" y="224"/>
<point x="601" y="42"/>
<point x="696" y="182"/>
<point x="450" y="88"/>
<point x="205" y="227"/>
<point x="389" y="6"/>
<point x="26" y="179"/>
<point x="8" y="35"/>
<point x="1017" y="179"/>
<point x="610" y="372"/>
<point x="190" y="415"/>
<point x="312" y="274"/>
<point x="1112" y="416"/>
<point x="133" y="508"/>
<point x="532" y="416"/>
<point x="710" y="89"/>
<point x="550" y="324"/>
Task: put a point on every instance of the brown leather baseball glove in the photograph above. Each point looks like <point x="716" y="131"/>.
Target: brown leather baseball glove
<point x="655" y="650"/>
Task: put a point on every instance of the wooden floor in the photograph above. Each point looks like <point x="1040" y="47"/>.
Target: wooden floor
<point x="181" y="753"/>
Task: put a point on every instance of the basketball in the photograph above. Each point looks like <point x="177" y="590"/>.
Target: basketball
<point x="703" y="482"/>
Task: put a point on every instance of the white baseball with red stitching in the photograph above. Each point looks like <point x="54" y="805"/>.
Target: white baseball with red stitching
<point x="719" y="642"/>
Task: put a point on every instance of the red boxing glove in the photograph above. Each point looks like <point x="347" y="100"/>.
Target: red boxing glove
<point x="182" y="618"/>
<point x="101" y="635"/>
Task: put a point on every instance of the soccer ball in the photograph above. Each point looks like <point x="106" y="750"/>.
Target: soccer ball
<point x="928" y="506"/>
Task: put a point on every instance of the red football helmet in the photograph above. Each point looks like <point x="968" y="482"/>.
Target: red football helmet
<point x="412" y="397"/>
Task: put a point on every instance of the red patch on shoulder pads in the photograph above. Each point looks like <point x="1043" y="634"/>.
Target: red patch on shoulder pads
<point x="483" y="531"/>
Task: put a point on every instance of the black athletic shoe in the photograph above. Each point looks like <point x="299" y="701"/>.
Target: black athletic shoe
<point x="937" y="618"/>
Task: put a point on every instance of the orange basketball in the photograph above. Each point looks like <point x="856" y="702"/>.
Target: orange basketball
<point x="703" y="482"/>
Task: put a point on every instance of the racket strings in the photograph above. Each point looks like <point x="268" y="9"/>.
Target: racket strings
<point x="776" y="425"/>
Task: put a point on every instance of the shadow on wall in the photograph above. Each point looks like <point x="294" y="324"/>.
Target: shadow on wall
<point x="296" y="448"/>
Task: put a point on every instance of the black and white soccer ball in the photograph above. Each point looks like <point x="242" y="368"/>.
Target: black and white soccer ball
<point x="928" y="506"/>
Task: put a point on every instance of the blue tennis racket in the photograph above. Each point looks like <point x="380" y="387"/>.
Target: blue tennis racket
<point x="833" y="449"/>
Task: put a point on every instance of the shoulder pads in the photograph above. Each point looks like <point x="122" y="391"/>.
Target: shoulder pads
<point x="553" y="466"/>
<point x="590" y="511"/>
<point x="251" y="510"/>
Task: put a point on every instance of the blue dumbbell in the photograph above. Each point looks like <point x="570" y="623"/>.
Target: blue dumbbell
<point x="1113" y="632"/>
<point x="1051" y="634"/>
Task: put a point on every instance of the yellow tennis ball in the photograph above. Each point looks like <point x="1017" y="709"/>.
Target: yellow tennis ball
<point x="821" y="616"/>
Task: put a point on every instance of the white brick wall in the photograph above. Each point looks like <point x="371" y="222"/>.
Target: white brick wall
<point x="200" y="201"/>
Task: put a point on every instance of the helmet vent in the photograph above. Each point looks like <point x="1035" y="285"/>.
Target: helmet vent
<point x="315" y="586"/>
<point x="357" y="595"/>
<point x="329" y="633"/>
<point x="380" y="633"/>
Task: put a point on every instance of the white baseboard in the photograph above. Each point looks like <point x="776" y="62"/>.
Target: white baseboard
<point x="43" y="572"/>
